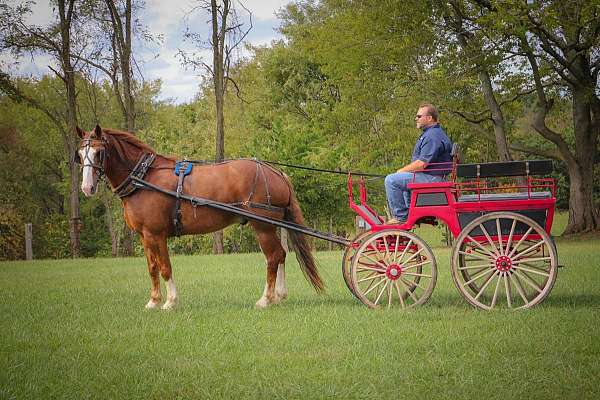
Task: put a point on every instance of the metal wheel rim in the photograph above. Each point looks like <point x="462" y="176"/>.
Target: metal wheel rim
<point x="373" y="266"/>
<point x="515" y="270"/>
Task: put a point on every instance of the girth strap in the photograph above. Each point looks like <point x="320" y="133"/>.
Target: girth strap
<point x="182" y="169"/>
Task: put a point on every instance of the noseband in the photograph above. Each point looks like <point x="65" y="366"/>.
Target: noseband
<point x="87" y="160"/>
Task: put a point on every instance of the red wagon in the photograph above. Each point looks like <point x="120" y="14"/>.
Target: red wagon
<point x="500" y="217"/>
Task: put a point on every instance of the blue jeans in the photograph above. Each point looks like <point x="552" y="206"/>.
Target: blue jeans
<point x="398" y="193"/>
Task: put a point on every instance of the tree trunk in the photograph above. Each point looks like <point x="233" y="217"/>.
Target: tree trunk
<point x="583" y="216"/>
<point x="123" y="49"/>
<point x="218" y="43"/>
<point x="69" y="80"/>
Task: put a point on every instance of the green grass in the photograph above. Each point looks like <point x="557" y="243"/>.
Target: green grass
<point x="77" y="329"/>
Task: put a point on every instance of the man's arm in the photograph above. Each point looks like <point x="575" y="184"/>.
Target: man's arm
<point x="416" y="165"/>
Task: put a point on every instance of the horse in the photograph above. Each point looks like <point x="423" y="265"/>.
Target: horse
<point x="249" y="184"/>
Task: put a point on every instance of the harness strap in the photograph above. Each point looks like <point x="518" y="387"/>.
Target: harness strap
<point x="128" y="186"/>
<point x="182" y="169"/>
<point x="267" y="207"/>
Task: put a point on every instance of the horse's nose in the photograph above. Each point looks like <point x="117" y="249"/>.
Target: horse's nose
<point x="88" y="190"/>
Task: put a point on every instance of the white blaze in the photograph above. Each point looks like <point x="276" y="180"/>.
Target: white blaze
<point x="87" y="155"/>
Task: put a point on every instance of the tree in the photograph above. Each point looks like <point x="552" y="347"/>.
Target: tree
<point x="226" y="36"/>
<point x="560" y="42"/>
<point x="56" y="39"/>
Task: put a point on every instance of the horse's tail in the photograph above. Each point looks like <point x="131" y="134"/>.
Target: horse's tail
<point x="304" y="256"/>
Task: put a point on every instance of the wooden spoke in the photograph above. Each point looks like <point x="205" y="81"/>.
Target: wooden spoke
<point x="521" y="290"/>
<point x="378" y="262"/>
<point x="488" y="265"/>
<point x="485" y="285"/>
<point x="510" y="236"/>
<point x="499" y="235"/>
<point x="410" y="292"/>
<point x="405" y="250"/>
<point x="369" y="277"/>
<point x="520" y="241"/>
<point x="473" y="255"/>
<point x="485" y="251"/>
<point x="528" y="281"/>
<point x="495" y="297"/>
<point x="532" y="271"/>
<point x="529" y="260"/>
<point x="489" y="271"/>
<point x="414" y="274"/>
<point x="489" y="239"/>
<point x="416" y="265"/>
<point x="413" y="284"/>
<point x="389" y="292"/>
<point x="399" y="294"/>
<point x="396" y="249"/>
<point x="364" y="267"/>
<point x="413" y="256"/>
<point x="377" y="284"/>
<point x="522" y="253"/>
<point x="387" y="282"/>
<point x="508" y="291"/>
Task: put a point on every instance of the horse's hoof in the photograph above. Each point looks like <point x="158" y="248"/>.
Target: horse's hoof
<point x="281" y="295"/>
<point x="262" y="303"/>
<point x="151" y="305"/>
<point x="169" y="305"/>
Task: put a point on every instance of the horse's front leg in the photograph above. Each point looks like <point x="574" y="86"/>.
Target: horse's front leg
<point x="157" y="255"/>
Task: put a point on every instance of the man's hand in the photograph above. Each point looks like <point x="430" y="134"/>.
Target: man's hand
<point x="416" y="165"/>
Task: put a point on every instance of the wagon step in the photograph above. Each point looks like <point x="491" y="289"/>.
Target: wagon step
<point x="199" y="201"/>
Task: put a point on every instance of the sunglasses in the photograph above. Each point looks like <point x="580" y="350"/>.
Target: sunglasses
<point x="419" y="115"/>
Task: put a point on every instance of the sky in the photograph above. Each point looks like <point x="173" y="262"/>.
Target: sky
<point x="170" y="18"/>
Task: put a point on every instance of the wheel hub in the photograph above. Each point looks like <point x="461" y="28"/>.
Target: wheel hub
<point x="504" y="264"/>
<point x="393" y="272"/>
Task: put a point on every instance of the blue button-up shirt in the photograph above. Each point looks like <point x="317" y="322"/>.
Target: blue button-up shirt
<point x="433" y="146"/>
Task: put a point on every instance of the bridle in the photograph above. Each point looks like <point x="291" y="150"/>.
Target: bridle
<point x="87" y="159"/>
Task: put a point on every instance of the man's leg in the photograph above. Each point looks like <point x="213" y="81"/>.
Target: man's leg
<point x="397" y="193"/>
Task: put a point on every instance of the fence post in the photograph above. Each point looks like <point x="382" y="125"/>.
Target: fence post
<point x="28" y="240"/>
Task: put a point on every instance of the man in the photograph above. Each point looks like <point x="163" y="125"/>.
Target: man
<point x="432" y="147"/>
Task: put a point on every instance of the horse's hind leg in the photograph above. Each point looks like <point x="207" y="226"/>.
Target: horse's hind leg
<point x="157" y="255"/>
<point x="275" y="289"/>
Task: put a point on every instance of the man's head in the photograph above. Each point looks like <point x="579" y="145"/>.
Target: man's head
<point x="427" y="115"/>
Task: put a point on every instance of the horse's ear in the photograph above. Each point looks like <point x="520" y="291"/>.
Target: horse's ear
<point x="80" y="133"/>
<point x="98" y="131"/>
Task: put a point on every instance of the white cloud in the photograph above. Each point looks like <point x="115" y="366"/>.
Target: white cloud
<point x="166" y="18"/>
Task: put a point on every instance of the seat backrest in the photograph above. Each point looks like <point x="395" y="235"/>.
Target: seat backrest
<point x="511" y="168"/>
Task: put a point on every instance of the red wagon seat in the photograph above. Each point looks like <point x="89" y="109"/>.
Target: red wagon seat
<point x="504" y="196"/>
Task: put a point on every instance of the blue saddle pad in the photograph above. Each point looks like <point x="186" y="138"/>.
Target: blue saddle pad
<point x="179" y="165"/>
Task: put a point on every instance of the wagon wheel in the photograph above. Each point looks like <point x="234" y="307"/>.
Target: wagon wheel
<point x="515" y="269"/>
<point x="348" y="256"/>
<point x="392" y="268"/>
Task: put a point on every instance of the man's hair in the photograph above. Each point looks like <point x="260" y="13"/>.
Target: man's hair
<point x="431" y="110"/>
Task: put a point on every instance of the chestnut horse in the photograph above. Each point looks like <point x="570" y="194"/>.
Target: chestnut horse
<point x="252" y="185"/>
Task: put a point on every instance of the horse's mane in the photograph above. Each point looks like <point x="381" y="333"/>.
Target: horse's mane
<point x="120" y="137"/>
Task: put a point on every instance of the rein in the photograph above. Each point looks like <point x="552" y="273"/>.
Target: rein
<point x="294" y="166"/>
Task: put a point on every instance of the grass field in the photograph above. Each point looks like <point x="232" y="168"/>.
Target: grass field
<point x="76" y="329"/>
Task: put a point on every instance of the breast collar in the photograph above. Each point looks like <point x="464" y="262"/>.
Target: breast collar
<point x="127" y="187"/>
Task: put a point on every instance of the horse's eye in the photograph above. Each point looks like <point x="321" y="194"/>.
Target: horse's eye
<point x="77" y="158"/>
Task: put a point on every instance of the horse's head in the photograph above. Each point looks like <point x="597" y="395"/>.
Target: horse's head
<point x="91" y="155"/>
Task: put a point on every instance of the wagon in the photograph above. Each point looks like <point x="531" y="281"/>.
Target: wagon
<point x="499" y="214"/>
